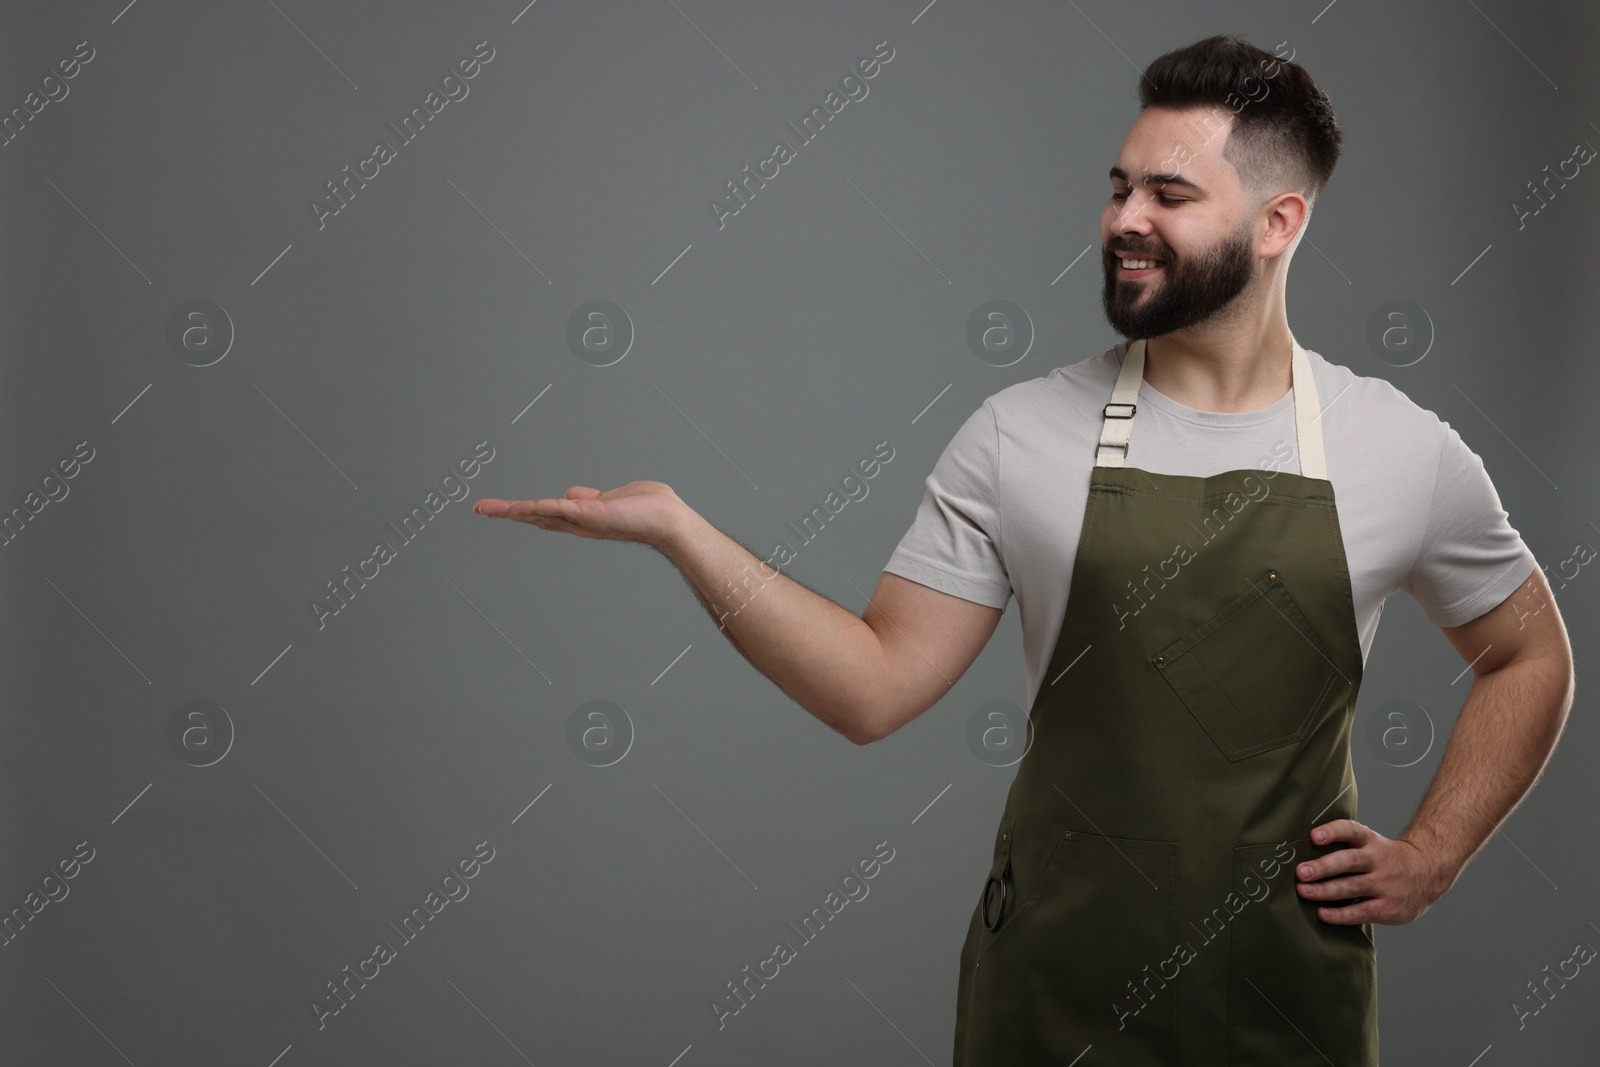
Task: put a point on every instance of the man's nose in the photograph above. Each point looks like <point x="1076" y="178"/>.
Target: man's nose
<point x="1132" y="215"/>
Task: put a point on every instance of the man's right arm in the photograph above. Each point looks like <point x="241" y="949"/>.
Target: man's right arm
<point x="863" y="676"/>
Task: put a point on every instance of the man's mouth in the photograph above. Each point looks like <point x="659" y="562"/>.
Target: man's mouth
<point x="1132" y="267"/>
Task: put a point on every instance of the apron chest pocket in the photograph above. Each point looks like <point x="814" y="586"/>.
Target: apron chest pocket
<point x="1254" y="675"/>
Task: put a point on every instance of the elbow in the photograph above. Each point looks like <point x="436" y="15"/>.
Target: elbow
<point x="861" y="736"/>
<point x="867" y="728"/>
<point x="862" y="730"/>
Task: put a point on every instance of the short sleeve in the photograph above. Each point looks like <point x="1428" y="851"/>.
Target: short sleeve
<point x="953" y="544"/>
<point x="1471" y="557"/>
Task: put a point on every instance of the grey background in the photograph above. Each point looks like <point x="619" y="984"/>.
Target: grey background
<point x="827" y="316"/>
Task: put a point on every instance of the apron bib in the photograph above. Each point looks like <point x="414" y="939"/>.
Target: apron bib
<point x="1192" y="727"/>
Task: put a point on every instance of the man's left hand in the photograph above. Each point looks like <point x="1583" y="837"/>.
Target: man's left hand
<point x="1394" y="878"/>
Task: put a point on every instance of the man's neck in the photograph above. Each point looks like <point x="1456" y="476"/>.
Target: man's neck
<point x="1226" y="370"/>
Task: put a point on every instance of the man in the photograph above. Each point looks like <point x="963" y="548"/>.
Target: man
<point x="1200" y="526"/>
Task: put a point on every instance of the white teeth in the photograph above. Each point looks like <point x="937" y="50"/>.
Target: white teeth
<point x="1138" y="264"/>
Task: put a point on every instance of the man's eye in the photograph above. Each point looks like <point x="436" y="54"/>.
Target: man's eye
<point x="1119" y="197"/>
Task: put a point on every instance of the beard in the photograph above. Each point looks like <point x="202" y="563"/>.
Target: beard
<point x="1183" y="292"/>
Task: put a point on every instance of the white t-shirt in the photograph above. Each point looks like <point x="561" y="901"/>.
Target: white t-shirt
<point x="1004" y="505"/>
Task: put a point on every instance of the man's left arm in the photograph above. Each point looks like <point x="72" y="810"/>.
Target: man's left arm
<point x="1522" y="689"/>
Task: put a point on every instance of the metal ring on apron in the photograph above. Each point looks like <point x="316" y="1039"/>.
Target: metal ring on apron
<point x="1000" y="913"/>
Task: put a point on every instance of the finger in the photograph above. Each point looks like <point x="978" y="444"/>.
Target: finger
<point x="559" y="525"/>
<point x="582" y="492"/>
<point x="533" y="519"/>
<point x="545" y="506"/>
<point x="551" y="522"/>
<point x="1338" y="861"/>
<point x="501" y="509"/>
<point x="1365" y="911"/>
<point x="565" y="514"/>
<point x="1337" y="888"/>
<point x="1340" y="830"/>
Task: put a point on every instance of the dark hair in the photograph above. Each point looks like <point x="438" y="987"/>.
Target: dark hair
<point x="1285" y="133"/>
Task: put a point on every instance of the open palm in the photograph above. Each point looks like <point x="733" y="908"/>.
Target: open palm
<point x="639" y="511"/>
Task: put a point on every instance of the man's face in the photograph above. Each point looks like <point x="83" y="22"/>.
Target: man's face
<point x="1176" y="201"/>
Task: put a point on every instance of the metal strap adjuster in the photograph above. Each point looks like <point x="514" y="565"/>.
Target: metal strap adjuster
<point x="1111" y="455"/>
<point x="1107" y="412"/>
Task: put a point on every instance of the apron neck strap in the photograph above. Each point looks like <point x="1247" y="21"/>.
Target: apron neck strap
<point x="1117" y="417"/>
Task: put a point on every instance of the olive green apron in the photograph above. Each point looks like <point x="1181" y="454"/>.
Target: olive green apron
<point x="1192" y="727"/>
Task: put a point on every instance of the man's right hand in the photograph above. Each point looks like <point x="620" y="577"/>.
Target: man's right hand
<point x="639" y="511"/>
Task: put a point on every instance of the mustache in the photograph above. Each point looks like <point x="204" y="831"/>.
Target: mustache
<point x="1138" y="253"/>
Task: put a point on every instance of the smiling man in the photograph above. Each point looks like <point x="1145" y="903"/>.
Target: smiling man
<point x="1200" y="526"/>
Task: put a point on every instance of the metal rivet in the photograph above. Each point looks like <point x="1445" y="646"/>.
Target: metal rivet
<point x="1160" y="660"/>
<point x="1069" y="835"/>
<point x="1272" y="576"/>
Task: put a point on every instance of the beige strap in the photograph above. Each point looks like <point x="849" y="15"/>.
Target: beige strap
<point x="1116" y="425"/>
<point x="1307" y="417"/>
<point x="1117" y="416"/>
